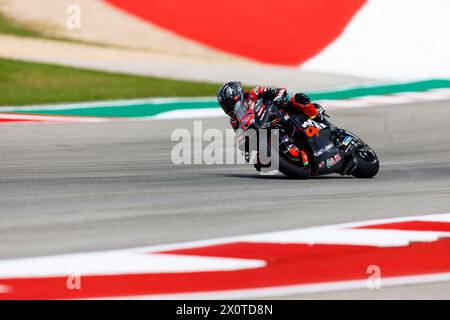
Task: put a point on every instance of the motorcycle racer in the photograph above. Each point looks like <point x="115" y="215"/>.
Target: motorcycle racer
<point x="232" y="92"/>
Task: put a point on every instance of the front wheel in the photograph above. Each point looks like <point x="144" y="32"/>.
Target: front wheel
<point x="367" y="161"/>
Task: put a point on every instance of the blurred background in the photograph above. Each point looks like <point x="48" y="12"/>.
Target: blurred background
<point x="298" y="44"/>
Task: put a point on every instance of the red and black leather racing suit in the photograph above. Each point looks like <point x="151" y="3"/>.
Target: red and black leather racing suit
<point x="297" y="102"/>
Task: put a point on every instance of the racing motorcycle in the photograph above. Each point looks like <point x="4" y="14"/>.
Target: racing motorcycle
<point x="305" y="147"/>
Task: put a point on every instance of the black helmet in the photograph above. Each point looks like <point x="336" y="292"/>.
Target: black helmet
<point x="229" y="94"/>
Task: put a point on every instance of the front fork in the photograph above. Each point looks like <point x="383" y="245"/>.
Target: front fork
<point x="348" y="145"/>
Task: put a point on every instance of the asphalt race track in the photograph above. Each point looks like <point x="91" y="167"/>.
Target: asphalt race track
<point x="85" y="187"/>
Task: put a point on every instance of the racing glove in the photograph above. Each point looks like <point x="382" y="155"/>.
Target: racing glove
<point x="302" y="98"/>
<point x="302" y="102"/>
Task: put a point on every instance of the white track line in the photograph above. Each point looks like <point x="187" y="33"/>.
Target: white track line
<point x="30" y="117"/>
<point x="107" y="103"/>
<point x="200" y="113"/>
<point x="119" y="262"/>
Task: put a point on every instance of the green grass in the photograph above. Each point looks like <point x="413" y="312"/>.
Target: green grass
<point x="24" y="83"/>
<point x="8" y="26"/>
